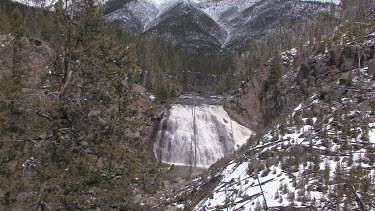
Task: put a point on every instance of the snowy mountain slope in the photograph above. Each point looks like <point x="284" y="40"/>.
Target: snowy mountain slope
<point x="326" y="1"/>
<point x="188" y="27"/>
<point x="264" y="17"/>
<point x="225" y="13"/>
<point x="37" y="3"/>
<point x="50" y="3"/>
<point x="320" y="153"/>
<point x="134" y="16"/>
<point x="216" y="8"/>
<point x="286" y="181"/>
<point x="204" y="24"/>
<point x="218" y="24"/>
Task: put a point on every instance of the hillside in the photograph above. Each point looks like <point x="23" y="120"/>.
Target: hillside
<point x="74" y="127"/>
<point x="212" y="26"/>
<point x="187" y="105"/>
<point x="317" y="153"/>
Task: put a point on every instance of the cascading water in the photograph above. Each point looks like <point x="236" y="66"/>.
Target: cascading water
<point x="197" y="131"/>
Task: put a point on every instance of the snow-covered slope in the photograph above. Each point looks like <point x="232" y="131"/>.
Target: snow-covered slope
<point x="215" y="9"/>
<point x="326" y="1"/>
<point x="225" y="13"/>
<point x="48" y="4"/>
<point x="187" y="26"/>
<point x="203" y="25"/>
<point x="286" y="181"/>
<point x="219" y="23"/>
<point x="134" y="15"/>
<point x="318" y="155"/>
<point x="37" y="3"/>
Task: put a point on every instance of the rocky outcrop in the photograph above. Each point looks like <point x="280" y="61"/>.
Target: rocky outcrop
<point x="371" y="67"/>
<point x="35" y="58"/>
<point x="329" y="75"/>
<point x="245" y="106"/>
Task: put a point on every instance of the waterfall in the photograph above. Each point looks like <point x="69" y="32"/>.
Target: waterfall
<point x="197" y="131"/>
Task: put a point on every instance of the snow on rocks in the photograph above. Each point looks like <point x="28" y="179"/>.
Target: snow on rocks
<point x="305" y="159"/>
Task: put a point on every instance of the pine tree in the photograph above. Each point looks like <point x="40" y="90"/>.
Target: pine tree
<point x="18" y="45"/>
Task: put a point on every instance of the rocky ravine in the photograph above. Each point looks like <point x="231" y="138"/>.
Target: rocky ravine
<point x="318" y="154"/>
<point x="314" y="76"/>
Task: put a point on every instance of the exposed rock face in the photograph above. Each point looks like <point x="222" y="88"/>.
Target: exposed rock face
<point x="347" y="65"/>
<point x="316" y="109"/>
<point x="365" y="106"/>
<point x="345" y="78"/>
<point x="245" y="107"/>
<point x="335" y="54"/>
<point x="351" y="51"/>
<point x="317" y="74"/>
<point x="371" y="67"/>
<point x="35" y="55"/>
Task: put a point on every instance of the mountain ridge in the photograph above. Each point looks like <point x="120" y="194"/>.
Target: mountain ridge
<point x="242" y="20"/>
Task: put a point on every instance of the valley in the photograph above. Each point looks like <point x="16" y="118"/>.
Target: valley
<point x="187" y="105"/>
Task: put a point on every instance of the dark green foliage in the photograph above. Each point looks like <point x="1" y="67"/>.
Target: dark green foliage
<point x="79" y="128"/>
<point x="17" y="23"/>
<point x="35" y="22"/>
<point x="275" y="73"/>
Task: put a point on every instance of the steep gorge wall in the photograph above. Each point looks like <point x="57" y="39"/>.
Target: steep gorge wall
<point x="256" y="108"/>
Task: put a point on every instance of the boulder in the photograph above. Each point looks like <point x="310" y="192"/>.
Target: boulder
<point x="311" y="80"/>
<point x="338" y="93"/>
<point x="179" y="180"/>
<point x="365" y="106"/>
<point x="137" y="198"/>
<point x="255" y="84"/>
<point x="254" y="163"/>
<point x="350" y="51"/>
<point x="335" y="56"/>
<point x="307" y="114"/>
<point x="372" y="51"/>
<point x="305" y="84"/>
<point x="316" y="109"/>
<point x="310" y="62"/>
<point x="309" y="121"/>
<point x="325" y="70"/>
<point x="265" y="155"/>
<point x="349" y="94"/>
<point x="326" y="90"/>
<point x="272" y="162"/>
<point x="318" y="68"/>
<point x="302" y="73"/>
<point x="345" y="78"/>
<point x="371" y="67"/>
<point x="356" y="119"/>
<point x="367" y="52"/>
<point x="364" y="59"/>
<point x="35" y="41"/>
<point x="347" y="65"/>
<point x="100" y="163"/>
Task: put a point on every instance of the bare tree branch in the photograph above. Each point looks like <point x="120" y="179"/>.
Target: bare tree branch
<point x="39" y="113"/>
<point x="40" y="138"/>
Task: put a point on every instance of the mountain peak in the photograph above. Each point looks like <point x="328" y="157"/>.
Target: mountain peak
<point x="236" y="22"/>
